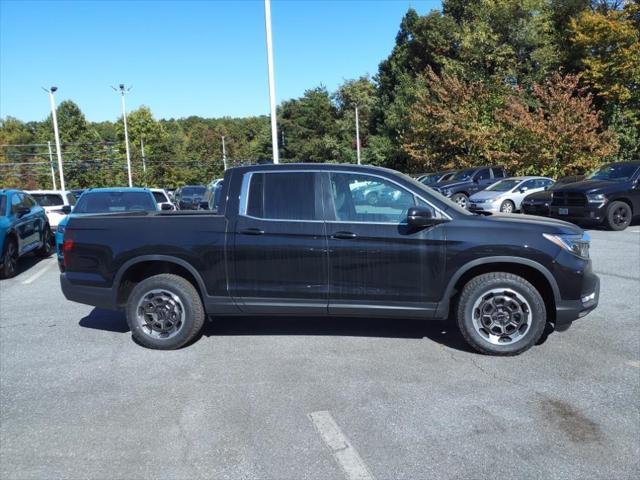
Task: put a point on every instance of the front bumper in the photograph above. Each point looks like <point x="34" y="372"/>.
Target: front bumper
<point x="540" y="209"/>
<point x="484" y="207"/>
<point x="569" y="310"/>
<point x="591" y="213"/>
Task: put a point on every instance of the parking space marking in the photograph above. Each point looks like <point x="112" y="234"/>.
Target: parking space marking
<point x="347" y="457"/>
<point x="634" y="363"/>
<point x="38" y="274"/>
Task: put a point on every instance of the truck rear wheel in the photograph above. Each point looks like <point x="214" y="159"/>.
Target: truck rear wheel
<point x="501" y="314"/>
<point x="165" y="312"/>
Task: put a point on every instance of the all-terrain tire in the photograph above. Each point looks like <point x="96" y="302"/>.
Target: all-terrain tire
<point x="520" y="295"/>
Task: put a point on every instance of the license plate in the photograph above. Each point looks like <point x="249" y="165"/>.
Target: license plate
<point x="563" y="211"/>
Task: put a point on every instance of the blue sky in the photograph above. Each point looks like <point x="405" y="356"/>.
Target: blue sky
<point x="205" y="58"/>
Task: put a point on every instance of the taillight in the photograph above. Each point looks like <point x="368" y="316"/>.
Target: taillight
<point x="67" y="248"/>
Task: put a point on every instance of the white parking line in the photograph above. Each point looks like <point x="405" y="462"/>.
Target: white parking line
<point x="634" y="363"/>
<point x="343" y="452"/>
<point x="38" y="274"/>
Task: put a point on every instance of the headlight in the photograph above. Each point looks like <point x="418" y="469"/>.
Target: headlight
<point x="576" y="244"/>
<point x="596" y="198"/>
<point x="60" y="229"/>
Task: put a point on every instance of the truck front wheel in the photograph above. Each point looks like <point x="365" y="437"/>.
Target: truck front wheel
<point x="501" y="314"/>
<point x="164" y="312"/>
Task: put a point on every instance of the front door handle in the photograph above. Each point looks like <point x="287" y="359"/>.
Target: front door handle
<point x="252" y="231"/>
<point x="345" y="235"/>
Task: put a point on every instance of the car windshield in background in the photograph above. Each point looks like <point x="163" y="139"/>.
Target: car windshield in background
<point x="429" y="179"/>
<point x="48" y="199"/>
<point x="504" y="185"/>
<point x="463" y="174"/>
<point x="617" y="172"/>
<point x="104" y="202"/>
<point x="188" y="191"/>
<point x="160" y="198"/>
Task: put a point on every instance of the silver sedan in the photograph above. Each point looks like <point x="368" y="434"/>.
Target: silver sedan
<point x="507" y="194"/>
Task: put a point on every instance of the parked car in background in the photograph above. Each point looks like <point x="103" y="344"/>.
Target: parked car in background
<point x="538" y="203"/>
<point x="294" y="239"/>
<point x="53" y="202"/>
<point x="162" y="199"/>
<point x="433" y="178"/>
<point x="465" y="183"/>
<point x="105" y="200"/>
<point x="609" y="196"/>
<point x="24" y="228"/>
<point x="506" y="195"/>
<point x="189" y="197"/>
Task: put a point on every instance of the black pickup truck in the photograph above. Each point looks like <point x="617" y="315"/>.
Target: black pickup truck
<point x="299" y="239"/>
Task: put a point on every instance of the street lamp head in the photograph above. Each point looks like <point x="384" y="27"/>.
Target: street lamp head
<point x="122" y="87"/>
<point x="54" y="89"/>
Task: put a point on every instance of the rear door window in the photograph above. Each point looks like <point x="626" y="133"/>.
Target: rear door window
<point x="48" y="199"/>
<point x="283" y="196"/>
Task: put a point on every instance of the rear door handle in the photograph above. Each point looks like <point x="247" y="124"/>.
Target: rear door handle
<point x="345" y="235"/>
<point x="252" y="231"/>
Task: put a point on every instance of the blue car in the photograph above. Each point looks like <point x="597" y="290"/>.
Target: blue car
<point x="105" y="200"/>
<point x="24" y="228"/>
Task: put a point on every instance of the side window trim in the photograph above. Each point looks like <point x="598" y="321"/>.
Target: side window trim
<point x="328" y="205"/>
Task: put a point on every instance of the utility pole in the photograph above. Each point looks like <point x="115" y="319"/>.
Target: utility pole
<point x="56" y="133"/>
<point x="272" y="86"/>
<point x="144" y="164"/>
<point x="122" y="91"/>
<point x="53" y="173"/>
<point x="357" y="136"/>
<point x="224" y="154"/>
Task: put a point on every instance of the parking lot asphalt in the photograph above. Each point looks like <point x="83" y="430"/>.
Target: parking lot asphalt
<point x="273" y="398"/>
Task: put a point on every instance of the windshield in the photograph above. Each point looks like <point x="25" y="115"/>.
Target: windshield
<point x="504" y="185"/>
<point x="48" y="199"/>
<point x="617" y="172"/>
<point x="430" y="179"/>
<point x="160" y="198"/>
<point x="464" y="174"/>
<point x="187" y="191"/>
<point x="104" y="202"/>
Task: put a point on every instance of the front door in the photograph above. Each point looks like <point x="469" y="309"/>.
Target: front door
<point x="377" y="263"/>
<point x="280" y="246"/>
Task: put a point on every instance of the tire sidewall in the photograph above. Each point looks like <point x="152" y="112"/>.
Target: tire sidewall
<point x="186" y="332"/>
<point x="455" y="196"/>
<point x="5" y="265"/>
<point x="612" y="208"/>
<point x="531" y="295"/>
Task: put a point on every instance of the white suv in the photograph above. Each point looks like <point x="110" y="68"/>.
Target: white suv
<point x="162" y="199"/>
<point x="53" y="201"/>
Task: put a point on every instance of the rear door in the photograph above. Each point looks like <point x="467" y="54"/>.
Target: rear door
<point x="280" y="248"/>
<point x="481" y="180"/>
<point x="377" y="263"/>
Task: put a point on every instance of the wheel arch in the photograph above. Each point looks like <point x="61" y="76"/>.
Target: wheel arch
<point x="137" y="269"/>
<point x="530" y="270"/>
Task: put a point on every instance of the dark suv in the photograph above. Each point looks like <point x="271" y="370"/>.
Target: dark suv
<point x="610" y="196"/>
<point x="469" y="181"/>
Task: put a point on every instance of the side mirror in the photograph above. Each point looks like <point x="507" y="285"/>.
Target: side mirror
<point x="22" y="211"/>
<point x="66" y="209"/>
<point x="476" y="180"/>
<point x="166" y="206"/>
<point x="421" y="217"/>
<point x="523" y="189"/>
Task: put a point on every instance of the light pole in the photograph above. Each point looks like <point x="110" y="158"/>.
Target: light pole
<point x="53" y="173"/>
<point x="357" y="136"/>
<point x="272" y="86"/>
<point x="122" y="91"/>
<point x="224" y="154"/>
<point x="144" y="163"/>
<point x="56" y="133"/>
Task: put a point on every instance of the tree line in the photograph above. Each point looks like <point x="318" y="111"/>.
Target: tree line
<point x="549" y="87"/>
